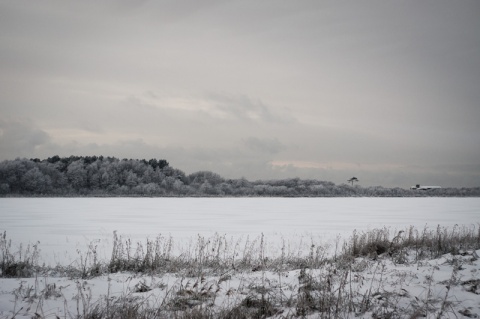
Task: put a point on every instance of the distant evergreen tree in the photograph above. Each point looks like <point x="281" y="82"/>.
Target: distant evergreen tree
<point x="353" y="180"/>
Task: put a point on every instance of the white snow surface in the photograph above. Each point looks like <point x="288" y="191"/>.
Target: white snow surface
<point x="65" y="225"/>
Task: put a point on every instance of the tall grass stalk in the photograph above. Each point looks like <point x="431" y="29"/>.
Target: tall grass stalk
<point x="348" y="281"/>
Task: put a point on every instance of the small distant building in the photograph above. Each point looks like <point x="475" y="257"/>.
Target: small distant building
<point x="424" y="187"/>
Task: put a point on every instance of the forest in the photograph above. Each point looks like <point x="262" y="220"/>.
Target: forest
<point x="110" y="176"/>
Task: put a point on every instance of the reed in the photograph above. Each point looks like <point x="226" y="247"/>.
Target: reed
<point x="221" y="277"/>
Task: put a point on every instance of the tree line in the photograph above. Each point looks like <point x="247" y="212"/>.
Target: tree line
<point x="110" y="176"/>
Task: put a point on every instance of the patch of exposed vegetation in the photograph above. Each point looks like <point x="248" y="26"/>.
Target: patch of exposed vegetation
<point x="375" y="274"/>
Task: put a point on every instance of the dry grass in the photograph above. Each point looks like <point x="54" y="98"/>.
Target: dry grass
<point x="348" y="282"/>
<point x="17" y="262"/>
<point x="426" y="243"/>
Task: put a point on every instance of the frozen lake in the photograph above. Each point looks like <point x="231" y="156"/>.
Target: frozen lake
<point x="63" y="225"/>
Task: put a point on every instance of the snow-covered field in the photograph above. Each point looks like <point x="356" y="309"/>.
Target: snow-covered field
<point x="65" y="227"/>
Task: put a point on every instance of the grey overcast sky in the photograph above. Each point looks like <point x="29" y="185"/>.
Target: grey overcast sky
<point x="387" y="91"/>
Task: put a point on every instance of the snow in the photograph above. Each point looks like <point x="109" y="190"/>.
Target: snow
<point x="66" y="226"/>
<point x="406" y="289"/>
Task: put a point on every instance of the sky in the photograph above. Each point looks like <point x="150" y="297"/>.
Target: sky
<point x="386" y="91"/>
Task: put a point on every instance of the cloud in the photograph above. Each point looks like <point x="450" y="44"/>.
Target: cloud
<point x="265" y="145"/>
<point x="21" y="138"/>
<point x="244" y="108"/>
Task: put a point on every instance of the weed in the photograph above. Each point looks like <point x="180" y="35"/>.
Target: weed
<point x="18" y="264"/>
<point x="210" y="274"/>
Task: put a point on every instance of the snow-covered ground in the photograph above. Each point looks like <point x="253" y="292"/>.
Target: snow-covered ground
<point x="449" y="285"/>
<point x="65" y="225"/>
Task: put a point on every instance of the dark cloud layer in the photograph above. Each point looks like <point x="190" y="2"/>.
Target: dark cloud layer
<point x="385" y="91"/>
